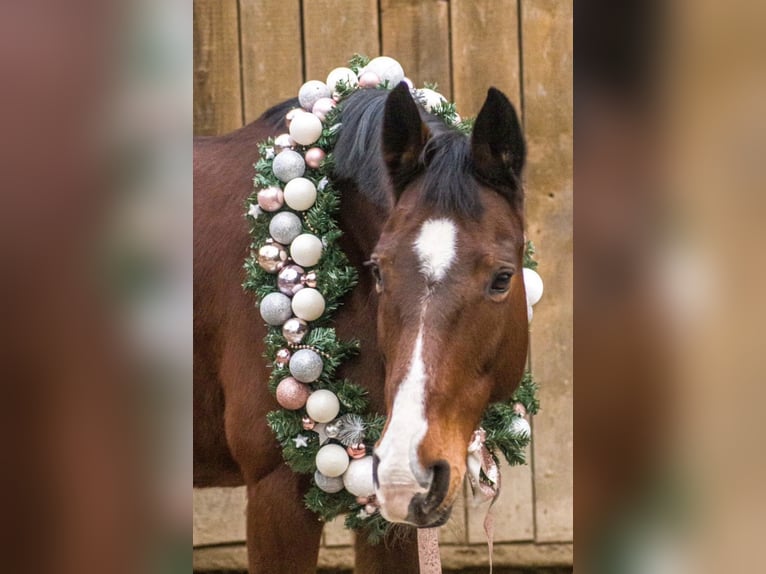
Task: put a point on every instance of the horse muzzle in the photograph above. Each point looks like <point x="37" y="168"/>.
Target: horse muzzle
<point x="406" y="500"/>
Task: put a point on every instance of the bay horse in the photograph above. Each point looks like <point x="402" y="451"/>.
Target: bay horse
<point x="433" y="221"/>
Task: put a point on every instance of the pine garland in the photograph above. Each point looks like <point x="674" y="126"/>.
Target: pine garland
<point x="336" y="278"/>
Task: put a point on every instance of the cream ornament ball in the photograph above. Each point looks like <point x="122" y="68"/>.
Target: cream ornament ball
<point x="300" y="194"/>
<point x="305" y="129"/>
<point x="332" y="460"/>
<point x="358" y="477"/>
<point x="323" y="406"/>
<point x="306" y="249"/>
<point x="387" y="69"/>
<point x="312" y="91"/>
<point x="346" y="75"/>
<point x="289" y="164"/>
<point x="285" y="226"/>
<point x="430" y="99"/>
<point x="308" y="304"/>
<point x="533" y="284"/>
<point x="276" y="309"/>
<point x="306" y="366"/>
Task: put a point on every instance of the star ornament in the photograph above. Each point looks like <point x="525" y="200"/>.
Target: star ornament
<point x="301" y="441"/>
<point x="254" y="211"/>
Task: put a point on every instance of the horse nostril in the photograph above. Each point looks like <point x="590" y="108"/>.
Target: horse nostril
<point x="439" y="486"/>
<point x="375" y="463"/>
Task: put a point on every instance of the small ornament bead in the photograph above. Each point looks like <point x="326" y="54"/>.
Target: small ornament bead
<point x="520" y="409"/>
<point x="271" y="198"/>
<point x="308" y="304"/>
<point x="272" y="256"/>
<point x="306" y="128"/>
<point x="332" y="461"/>
<point x="301" y="193"/>
<point x="283" y="142"/>
<point x="290" y="280"/>
<point x="288" y="165"/>
<point x="356" y="450"/>
<point x="294" y="330"/>
<point x="291" y="115"/>
<point x="307" y="423"/>
<point x="346" y="75"/>
<point x="323" y="406"/>
<point x="292" y="394"/>
<point x="387" y="69"/>
<point x="327" y="483"/>
<point x="370" y="509"/>
<point x="310" y="279"/>
<point x="369" y="80"/>
<point x="358" y="477"/>
<point x="314" y="157"/>
<point x="283" y="357"/>
<point x="285" y="226"/>
<point x="306" y="366"/>
<point x="521" y="428"/>
<point x="306" y="250"/>
<point x="332" y="429"/>
<point x="275" y="308"/>
<point x="322" y="107"/>
<point x="533" y="284"/>
<point x="312" y="91"/>
<point x="362" y="499"/>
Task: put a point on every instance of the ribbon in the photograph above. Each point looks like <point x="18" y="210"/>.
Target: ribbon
<point x="484" y="478"/>
<point x="428" y="551"/>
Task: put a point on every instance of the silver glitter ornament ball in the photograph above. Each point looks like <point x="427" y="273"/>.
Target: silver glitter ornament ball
<point x="276" y="309"/>
<point x="328" y="484"/>
<point x="288" y="165"/>
<point x="305" y="364"/>
<point x="312" y="91"/>
<point x="285" y="226"/>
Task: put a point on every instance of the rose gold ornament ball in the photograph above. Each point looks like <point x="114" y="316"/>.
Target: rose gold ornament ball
<point x="519" y="409"/>
<point x="292" y="394"/>
<point x="322" y="107"/>
<point x="290" y="279"/>
<point x="283" y="357"/>
<point x="356" y="450"/>
<point x="307" y="423"/>
<point x="271" y="198"/>
<point x="314" y="157"/>
<point x="272" y="256"/>
<point x="369" y="80"/>
<point x="294" y="330"/>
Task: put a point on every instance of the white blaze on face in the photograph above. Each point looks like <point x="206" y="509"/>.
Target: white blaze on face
<point x="400" y="474"/>
<point x="435" y="248"/>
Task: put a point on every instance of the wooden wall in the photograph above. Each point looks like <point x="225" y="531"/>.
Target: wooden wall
<point x="251" y="54"/>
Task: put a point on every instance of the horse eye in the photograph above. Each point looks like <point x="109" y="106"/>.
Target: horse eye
<point x="501" y="282"/>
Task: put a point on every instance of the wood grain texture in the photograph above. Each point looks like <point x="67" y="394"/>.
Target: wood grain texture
<point x="416" y="33"/>
<point x="272" y="60"/>
<point x="547" y="34"/>
<point x="334" y="30"/>
<point x="217" y="87"/>
<point x="485" y="52"/>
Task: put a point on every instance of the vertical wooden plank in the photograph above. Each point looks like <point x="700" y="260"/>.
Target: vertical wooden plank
<point x="513" y="511"/>
<point x="334" y="30"/>
<point x="485" y="52"/>
<point x="219" y="515"/>
<point x="416" y="33"/>
<point x="336" y="534"/>
<point x="272" y="60"/>
<point x="217" y="87"/>
<point x="547" y="37"/>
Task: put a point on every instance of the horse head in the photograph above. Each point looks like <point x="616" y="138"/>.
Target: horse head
<point x="452" y="312"/>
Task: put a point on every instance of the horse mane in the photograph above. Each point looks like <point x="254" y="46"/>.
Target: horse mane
<point x="449" y="184"/>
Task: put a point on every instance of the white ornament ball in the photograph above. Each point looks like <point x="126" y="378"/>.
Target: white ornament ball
<point x="306" y="366"/>
<point x="332" y="460"/>
<point x="289" y="164"/>
<point x="331" y="484"/>
<point x="533" y="284"/>
<point x="285" y="226"/>
<point x="358" y="477"/>
<point x="346" y="75"/>
<point x="530" y="313"/>
<point x="305" y="129"/>
<point x="387" y="69"/>
<point x="300" y="194"/>
<point x="323" y="406"/>
<point x="306" y="249"/>
<point x="310" y="92"/>
<point x="276" y="308"/>
<point x="308" y="304"/>
<point x="430" y="99"/>
<point x="519" y="427"/>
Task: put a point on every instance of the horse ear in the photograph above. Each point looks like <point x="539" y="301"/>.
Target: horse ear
<point x="404" y="135"/>
<point x="497" y="144"/>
